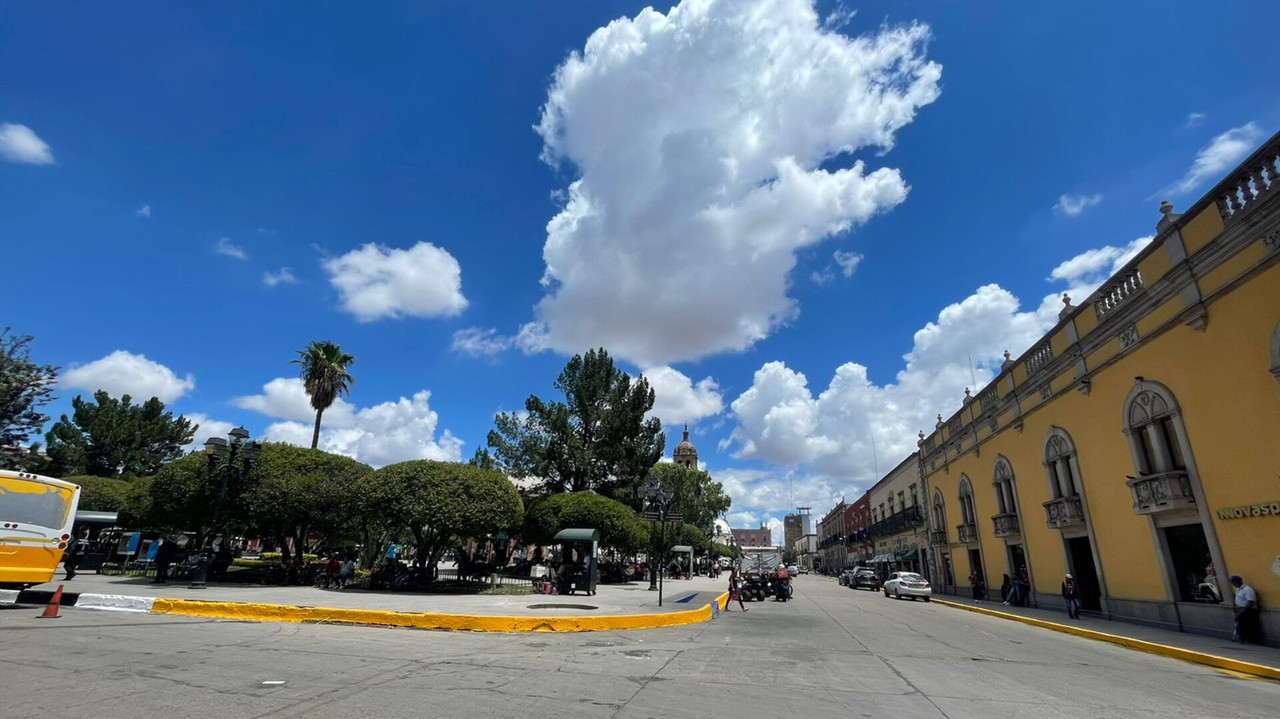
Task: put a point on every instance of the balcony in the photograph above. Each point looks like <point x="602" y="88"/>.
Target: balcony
<point x="1064" y="513"/>
<point x="1006" y="525"/>
<point x="1159" y="493"/>
<point x="896" y="523"/>
<point x="938" y="537"/>
<point x="967" y="533"/>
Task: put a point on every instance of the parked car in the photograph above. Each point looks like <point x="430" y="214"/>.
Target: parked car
<point x="864" y="577"/>
<point x="907" y="584"/>
<point x="793" y="570"/>
<point x="845" y="576"/>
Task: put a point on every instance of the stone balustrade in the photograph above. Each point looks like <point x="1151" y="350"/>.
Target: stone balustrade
<point x="967" y="533"/>
<point x="1064" y="512"/>
<point x="1118" y="292"/>
<point x="1251" y="183"/>
<point x="938" y="537"/>
<point x="1164" y="492"/>
<point x="1006" y="525"/>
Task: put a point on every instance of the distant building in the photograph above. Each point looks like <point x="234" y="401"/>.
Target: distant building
<point x="831" y="538"/>
<point x="762" y="537"/>
<point x="795" y="526"/>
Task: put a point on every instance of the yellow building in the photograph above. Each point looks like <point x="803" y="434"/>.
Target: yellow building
<point x="898" y="528"/>
<point x="1137" y="445"/>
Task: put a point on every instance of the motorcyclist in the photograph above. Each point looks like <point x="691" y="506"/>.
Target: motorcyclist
<point x="782" y="583"/>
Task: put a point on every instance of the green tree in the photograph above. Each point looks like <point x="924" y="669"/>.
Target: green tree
<point x="619" y="527"/>
<point x="483" y="459"/>
<point x="182" y="496"/>
<point x="101" y="494"/>
<point x="113" y="437"/>
<point x="25" y="387"/>
<point x="698" y="498"/>
<point x="304" y="495"/>
<point x="597" y="439"/>
<point x="442" y="503"/>
<point x="325" y="376"/>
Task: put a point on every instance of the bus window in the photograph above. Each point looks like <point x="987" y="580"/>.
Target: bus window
<point x="27" y="502"/>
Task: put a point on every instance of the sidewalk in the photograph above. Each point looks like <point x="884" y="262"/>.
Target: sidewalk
<point x="611" y="600"/>
<point x="1260" y="655"/>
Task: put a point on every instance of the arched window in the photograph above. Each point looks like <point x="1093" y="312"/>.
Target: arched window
<point x="1150" y="416"/>
<point x="1006" y="500"/>
<point x="1059" y="451"/>
<point x="967" y="513"/>
<point x="939" y="511"/>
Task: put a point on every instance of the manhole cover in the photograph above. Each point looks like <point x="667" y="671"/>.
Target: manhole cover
<point x="562" y="606"/>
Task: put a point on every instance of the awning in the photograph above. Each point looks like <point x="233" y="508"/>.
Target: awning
<point x="683" y="548"/>
<point x="909" y="555"/>
<point x="883" y="558"/>
<point x="87" y="517"/>
<point x="578" y="535"/>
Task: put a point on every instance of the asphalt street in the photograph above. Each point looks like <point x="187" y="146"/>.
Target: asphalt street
<point x="830" y="652"/>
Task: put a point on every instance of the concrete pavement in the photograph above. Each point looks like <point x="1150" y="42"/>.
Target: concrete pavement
<point x="610" y="599"/>
<point x="830" y="652"/>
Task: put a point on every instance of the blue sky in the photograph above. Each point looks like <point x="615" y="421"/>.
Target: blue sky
<point x="459" y="202"/>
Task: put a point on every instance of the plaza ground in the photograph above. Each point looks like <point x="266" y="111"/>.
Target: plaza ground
<point x="610" y="599"/>
<point x="830" y="652"/>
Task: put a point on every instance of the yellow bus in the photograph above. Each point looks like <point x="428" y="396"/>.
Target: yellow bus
<point x="36" y="514"/>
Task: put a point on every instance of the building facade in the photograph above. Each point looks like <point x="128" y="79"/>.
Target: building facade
<point x="761" y="537"/>
<point x="898" y="530"/>
<point x="831" y="539"/>
<point x="806" y="549"/>
<point x="859" y="547"/>
<point x="1137" y="444"/>
<point x="795" y="526"/>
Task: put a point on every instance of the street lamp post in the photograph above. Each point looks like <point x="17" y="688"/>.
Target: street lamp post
<point x="658" y="497"/>
<point x="216" y="448"/>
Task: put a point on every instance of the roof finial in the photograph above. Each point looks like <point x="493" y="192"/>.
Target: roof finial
<point x="1066" y="299"/>
<point x="1007" y="357"/>
<point x="686" y="431"/>
<point x="1166" y="208"/>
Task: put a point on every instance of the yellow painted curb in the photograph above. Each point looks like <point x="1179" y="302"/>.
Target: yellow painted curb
<point x="454" y="622"/>
<point x="1187" y="655"/>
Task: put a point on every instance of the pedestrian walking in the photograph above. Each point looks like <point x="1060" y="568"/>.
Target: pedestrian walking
<point x="1006" y="585"/>
<point x="72" y="557"/>
<point x="1071" y="594"/>
<point x="1248" y="620"/>
<point x="735" y="590"/>
<point x="165" y="554"/>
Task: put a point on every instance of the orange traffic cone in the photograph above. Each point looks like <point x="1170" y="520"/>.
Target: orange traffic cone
<point x="51" y="609"/>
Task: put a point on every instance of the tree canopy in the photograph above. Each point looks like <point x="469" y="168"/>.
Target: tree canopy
<point x="325" y="376"/>
<point x="101" y="494"/>
<point x="306" y="495"/>
<point x="442" y="503"/>
<point x="697" y="497"/>
<point x="598" y="438"/>
<point x="25" y="387"/>
<point x="111" y="437"/>
<point x="619" y="527"/>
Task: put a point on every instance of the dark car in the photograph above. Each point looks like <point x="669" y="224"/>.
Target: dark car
<point x="864" y="578"/>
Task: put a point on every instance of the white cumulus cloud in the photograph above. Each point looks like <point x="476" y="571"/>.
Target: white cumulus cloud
<point x="848" y="262"/>
<point x="376" y="282"/>
<point x="698" y="138"/>
<point x="20" y="144"/>
<point x="286" y="398"/>
<point x="121" y="373"/>
<point x="1220" y="155"/>
<point x="842" y="429"/>
<point x="224" y="246"/>
<point x="144" y="211"/>
<point x="379" y="435"/>
<point x="283" y="276"/>
<point x="1075" y="205"/>
<point x="677" y="399"/>
<point x="1195" y="119"/>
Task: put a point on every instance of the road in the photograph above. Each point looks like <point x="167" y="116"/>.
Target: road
<point x="830" y="652"/>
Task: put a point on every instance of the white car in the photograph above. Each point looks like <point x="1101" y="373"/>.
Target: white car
<point x="907" y="584"/>
<point x="793" y="570"/>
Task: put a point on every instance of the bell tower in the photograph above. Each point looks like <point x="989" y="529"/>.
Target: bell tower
<point x="686" y="455"/>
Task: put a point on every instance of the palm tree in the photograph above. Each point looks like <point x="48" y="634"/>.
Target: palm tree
<point x="325" y="376"/>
